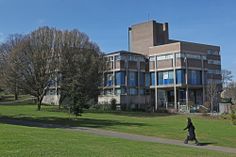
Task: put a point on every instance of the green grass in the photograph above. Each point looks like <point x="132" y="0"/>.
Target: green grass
<point x="10" y="97"/>
<point x="216" y="131"/>
<point x="21" y="141"/>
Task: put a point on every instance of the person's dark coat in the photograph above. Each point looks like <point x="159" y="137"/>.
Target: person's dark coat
<point x="191" y="130"/>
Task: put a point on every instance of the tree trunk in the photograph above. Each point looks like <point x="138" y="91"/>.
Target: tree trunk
<point x="16" y="93"/>
<point x="16" y="96"/>
<point x="39" y="103"/>
<point x="39" y="106"/>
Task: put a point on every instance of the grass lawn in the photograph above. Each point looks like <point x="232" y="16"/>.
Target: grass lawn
<point x="215" y="131"/>
<point x="10" y="97"/>
<point x="21" y="141"/>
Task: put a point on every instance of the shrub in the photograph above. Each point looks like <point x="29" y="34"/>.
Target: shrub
<point x="233" y="114"/>
<point x="113" y="104"/>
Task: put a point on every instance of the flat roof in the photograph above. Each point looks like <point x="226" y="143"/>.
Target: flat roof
<point x="124" y="52"/>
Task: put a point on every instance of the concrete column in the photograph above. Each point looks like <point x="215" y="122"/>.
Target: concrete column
<point x="138" y="64"/>
<point x="126" y="79"/>
<point x="203" y="82"/>
<point x="186" y="69"/>
<point x="113" y="78"/>
<point x="156" y="94"/>
<point x="174" y="71"/>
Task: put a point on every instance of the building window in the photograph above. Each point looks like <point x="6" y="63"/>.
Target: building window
<point x="212" y="52"/>
<point x="147" y="79"/>
<point x="133" y="81"/>
<point x="123" y="91"/>
<point x="133" y="91"/>
<point x="165" y="78"/>
<point x="152" y="58"/>
<point x="152" y="76"/>
<point x="120" y="78"/>
<point x="117" y="58"/>
<point x="216" y="62"/>
<point x="108" y="79"/>
<point x="164" y="57"/>
<point x="108" y="91"/>
<point x="141" y="91"/>
<point x="117" y="91"/>
<point x="141" y="78"/>
<point x="180" y="76"/>
<point x="194" y="77"/>
<point x="193" y="56"/>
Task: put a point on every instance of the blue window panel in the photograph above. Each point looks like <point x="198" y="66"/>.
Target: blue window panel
<point x="152" y="78"/>
<point x="133" y="80"/>
<point x="141" y="91"/>
<point x="165" y="78"/>
<point x="194" y="77"/>
<point x="180" y="76"/>
<point x="120" y="78"/>
<point x="133" y="91"/>
<point x="142" y="79"/>
<point x="147" y="79"/>
<point x="108" y="79"/>
<point x="160" y="78"/>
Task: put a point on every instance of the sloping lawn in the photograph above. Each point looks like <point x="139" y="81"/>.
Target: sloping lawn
<point x="21" y="141"/>
<point x="213" y="131"/>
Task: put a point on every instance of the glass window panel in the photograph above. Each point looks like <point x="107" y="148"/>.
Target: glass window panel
<point x="141" y="78"/>
<point x="133" y="80"/>
<point x="133" y="91"/>
<point x="152" y="78"/>
<point x="147" y="80"/>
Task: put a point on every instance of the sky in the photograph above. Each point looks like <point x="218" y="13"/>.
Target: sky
<point x="106" y="21"/>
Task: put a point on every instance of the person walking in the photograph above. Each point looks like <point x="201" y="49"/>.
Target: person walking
<point x="191" y="132"/>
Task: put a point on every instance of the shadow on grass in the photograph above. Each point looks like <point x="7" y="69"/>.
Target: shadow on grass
<point x="205" y="143"/>
<point x="57" y="122"/>
<point x="135" y="114"/>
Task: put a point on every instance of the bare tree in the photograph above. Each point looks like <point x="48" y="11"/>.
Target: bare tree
<point x="9" y="80"/>
<point x="226" y="76"/>
<point x="230" y="92"/>
<point x="213" y="91"/>
<point x="34" y="59"/>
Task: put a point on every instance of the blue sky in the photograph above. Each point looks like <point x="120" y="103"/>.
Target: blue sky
<point x="106" y="21"/>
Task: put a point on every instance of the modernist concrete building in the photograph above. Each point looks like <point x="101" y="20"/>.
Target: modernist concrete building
<point x="124" y="80"/>
<point x="175" y="75"/>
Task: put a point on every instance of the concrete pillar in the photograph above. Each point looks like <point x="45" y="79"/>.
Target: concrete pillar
<point x="203" y="82"/>
<point x="174" y="71"/>
<point x="186" y="77"/>
<point x="113" y="78"/>
<point x="156" y="95"/>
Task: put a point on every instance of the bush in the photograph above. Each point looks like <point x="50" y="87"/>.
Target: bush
<point x="100" y="107"/>
<point x="233" y="117"/>
<point x="233" y="114"/>
<point x="113" y="104"/>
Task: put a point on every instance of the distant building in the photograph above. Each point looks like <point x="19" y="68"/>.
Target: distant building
<point x="159" y="72"/>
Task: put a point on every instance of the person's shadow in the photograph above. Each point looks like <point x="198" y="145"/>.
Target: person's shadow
<point x="205" y="143"/>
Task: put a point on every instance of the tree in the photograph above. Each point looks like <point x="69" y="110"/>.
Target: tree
<point x="34" y="59"/>
<point x="9" y="80"/>
<point x="226" y="76"/>
<point x="213" y="90"/>
<point x="80" y="68"/>
<point x="230" y="91"/>
<point x="47" y="55"/>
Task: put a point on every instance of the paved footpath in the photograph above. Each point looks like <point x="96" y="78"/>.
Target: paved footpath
<point x="115" y="134"/>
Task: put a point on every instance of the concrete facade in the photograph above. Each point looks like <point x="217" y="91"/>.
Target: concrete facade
<point x="177" y="73"/>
